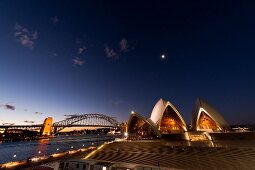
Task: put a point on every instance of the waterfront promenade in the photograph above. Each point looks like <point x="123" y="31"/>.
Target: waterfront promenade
<point x="163" y="154"/>
<point x="46" y="159"/>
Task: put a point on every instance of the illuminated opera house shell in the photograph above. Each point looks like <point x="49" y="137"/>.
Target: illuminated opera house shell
<point x="165" y="119"/>
<point x="138" y="126"/>
<point x="207" y="118"/>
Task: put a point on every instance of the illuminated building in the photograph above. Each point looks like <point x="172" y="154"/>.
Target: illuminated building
<point x="166" y="121"/>
<point x="138" y="127"/>
<point x="167" y="118"/>
<point x="207" y="118"/>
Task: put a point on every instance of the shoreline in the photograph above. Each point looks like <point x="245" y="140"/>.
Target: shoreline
<point x="35" y="161"/>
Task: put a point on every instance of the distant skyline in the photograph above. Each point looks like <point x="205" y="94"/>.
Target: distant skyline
<point x="112" y="57"/>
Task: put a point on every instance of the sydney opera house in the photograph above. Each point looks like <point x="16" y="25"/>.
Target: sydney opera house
<point x="166" y="121"/>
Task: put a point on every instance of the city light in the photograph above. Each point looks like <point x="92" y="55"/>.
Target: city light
<point x="35" y="159"/>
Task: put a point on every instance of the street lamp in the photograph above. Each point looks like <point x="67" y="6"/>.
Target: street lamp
<point x="97" y="139"/>
<point x="126" y="135"/>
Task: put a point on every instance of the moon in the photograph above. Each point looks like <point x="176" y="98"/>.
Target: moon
<point x="163" y="56"/>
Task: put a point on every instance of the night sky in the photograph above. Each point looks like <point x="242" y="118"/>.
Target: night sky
<point x="74" y="57"/>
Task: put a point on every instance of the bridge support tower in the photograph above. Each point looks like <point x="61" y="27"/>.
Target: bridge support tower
<point x="46" y="128"/>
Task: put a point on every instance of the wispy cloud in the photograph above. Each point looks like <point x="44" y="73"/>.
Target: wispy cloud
<point x="38" y="113"/>
<point x="8" y="106"/>
<point x="29" y="121"/>
<point x="78" y="61"/>
<point x="126" y="46"/>
<point x="24" y="36"/>
<point x="123" y="44"/>
<point x="8" y="124"/>
<point x="55" y="20"/>
<point x="34" y="35"/>
<point x="71" y="115"/>
<point x="81" y="49"/>
<point x="110" y="53"/>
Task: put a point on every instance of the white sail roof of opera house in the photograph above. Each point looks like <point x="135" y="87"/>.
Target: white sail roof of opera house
<point x="159" y="109"/>
<point x="201" y="106"/>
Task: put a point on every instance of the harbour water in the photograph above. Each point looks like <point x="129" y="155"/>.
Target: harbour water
<point x="15" y="151"/>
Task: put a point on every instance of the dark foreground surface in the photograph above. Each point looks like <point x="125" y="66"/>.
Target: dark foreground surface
<point x="225" y="155"/>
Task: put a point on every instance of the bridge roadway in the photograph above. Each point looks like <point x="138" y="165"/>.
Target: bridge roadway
<point x="41" y="125"/>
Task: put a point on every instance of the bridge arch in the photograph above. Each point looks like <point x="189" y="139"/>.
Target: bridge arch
<point x="95" y="119"/>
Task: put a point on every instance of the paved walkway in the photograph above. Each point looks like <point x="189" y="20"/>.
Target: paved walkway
<point x="154" y="153"/>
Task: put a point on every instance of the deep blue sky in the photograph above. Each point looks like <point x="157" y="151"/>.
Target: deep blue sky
<point x="68" y="57"/>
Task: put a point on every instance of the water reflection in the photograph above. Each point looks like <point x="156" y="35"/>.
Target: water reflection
<point x="41" y="148"/>
<point x="23" y="150"/>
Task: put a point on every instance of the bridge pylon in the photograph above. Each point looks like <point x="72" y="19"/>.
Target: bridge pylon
<point x="46" y="128"/>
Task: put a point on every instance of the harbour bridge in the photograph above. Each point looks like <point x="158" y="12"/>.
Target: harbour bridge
<point x="97" y="120"/>
<point x="87" y="120"/>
